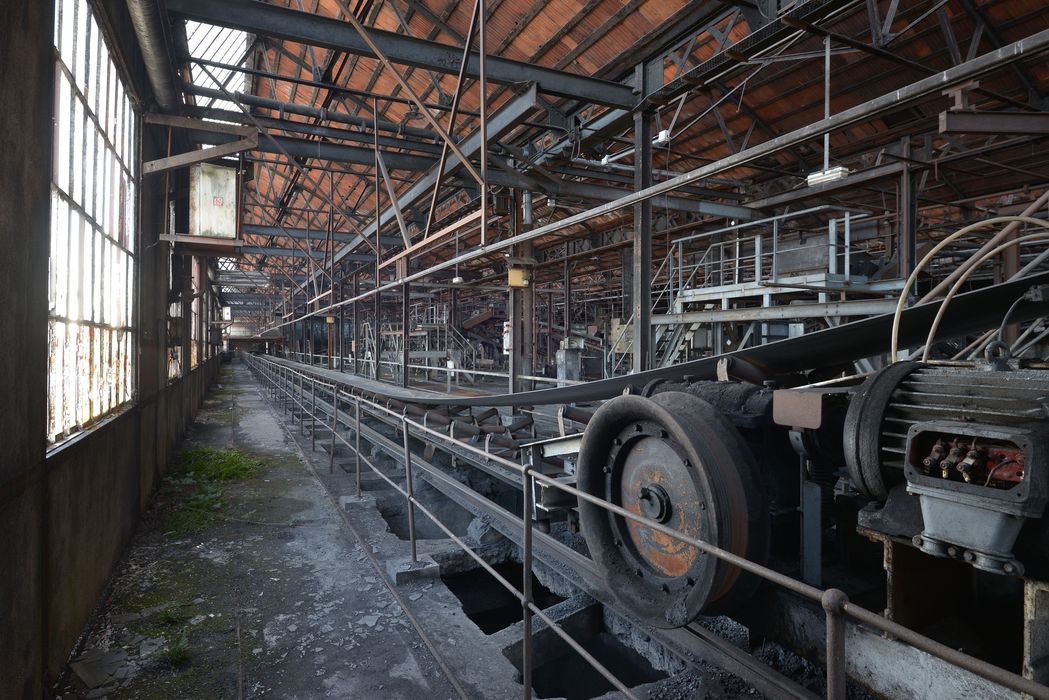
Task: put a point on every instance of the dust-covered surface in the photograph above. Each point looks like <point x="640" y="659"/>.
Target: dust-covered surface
<point x="248" y="586"/>
<point x="245" y="580"/>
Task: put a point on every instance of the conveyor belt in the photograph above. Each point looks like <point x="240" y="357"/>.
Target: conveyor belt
<point x="968" y="313"/>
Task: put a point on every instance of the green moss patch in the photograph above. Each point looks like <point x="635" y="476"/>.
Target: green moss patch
<point x="211" y="464"/>
<point x="197" y="512"/>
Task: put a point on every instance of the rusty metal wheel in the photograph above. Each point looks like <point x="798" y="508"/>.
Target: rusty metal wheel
<point x="673" y="458"/>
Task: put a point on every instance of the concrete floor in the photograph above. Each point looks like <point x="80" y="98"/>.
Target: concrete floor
<point x="274" y="598"/>
<point x="275" y="594"/>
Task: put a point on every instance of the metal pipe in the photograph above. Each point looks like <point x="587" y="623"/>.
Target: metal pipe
<point x="826" y="101"/>
<point x="147" y="18"/>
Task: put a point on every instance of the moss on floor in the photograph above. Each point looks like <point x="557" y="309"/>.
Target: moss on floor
<point x="213" y="464"/>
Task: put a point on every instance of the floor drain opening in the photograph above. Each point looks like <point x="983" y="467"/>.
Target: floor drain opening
<point x="560" y="672"/>
<point x="487" y="602"/>
<point x="370" y="481"/>
<point x="452" y="516"/>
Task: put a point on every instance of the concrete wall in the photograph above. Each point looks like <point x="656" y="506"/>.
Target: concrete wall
<point x="26" y="89"/>
<point x="66" y="517"/>
<point x="96" y="488"/>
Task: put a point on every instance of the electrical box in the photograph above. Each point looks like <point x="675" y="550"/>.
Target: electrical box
<point x="213" y="201"/>
<point x="518" y="276"/>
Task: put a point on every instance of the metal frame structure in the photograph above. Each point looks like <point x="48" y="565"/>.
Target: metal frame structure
<point x="298" y="392"/>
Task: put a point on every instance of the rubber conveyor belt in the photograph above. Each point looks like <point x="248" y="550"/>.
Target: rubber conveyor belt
<point x="971" y="312"/>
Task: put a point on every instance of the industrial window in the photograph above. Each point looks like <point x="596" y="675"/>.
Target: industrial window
<point x="92" y="268"/>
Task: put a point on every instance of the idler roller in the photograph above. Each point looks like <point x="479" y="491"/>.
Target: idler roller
<point x="678" y="460"/>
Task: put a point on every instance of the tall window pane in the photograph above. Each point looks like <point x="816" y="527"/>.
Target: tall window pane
<point x="92" y="269"/>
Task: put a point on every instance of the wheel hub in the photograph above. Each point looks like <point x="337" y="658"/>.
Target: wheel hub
<point x="649" y="469"/>
<point x="655" y="503"/>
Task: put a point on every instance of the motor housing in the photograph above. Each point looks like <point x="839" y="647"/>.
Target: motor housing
<point x="969" y="441"/>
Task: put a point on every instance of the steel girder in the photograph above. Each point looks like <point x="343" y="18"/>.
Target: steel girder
<point x="302" y="27"/>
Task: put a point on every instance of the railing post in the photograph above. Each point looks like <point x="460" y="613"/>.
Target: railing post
<point x="313" y="413"/>
<point x="832" y="246"/>
<point x="833" y="602"/>
<point x="334" y="426"/>
<point x="775" y="250"/>
<point x="301" y="402"/>
<point x="408" y="484"/>
<point x="528" y="485"/>
<point x="357" y="442"/>
<point x="757" y="259"/>
<point x="451" y="434"/>
<point x="847" y="245"/>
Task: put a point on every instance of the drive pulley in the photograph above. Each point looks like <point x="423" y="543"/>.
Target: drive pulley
<point x="676" y="459"/>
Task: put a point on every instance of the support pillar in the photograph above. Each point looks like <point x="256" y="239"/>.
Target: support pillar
<point x="522" y="313"/>
<point x="405" y="338"/>
<point x="908" y="217"/>
<point x="376" y="335"/>
<point x="355" y="345"/>
<point x="568" y="300"/>
<point x="186" y="322"/>
<point x="642" y="251"/>
<point x="26" y="96"/>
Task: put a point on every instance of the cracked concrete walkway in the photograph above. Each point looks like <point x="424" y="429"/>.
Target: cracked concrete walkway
<point x="272" y="596"/>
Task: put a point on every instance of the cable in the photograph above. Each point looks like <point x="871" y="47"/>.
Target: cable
<point x="956" y="287"/>
<point x="1005" y="318"/>
<point x="909" y="284"/>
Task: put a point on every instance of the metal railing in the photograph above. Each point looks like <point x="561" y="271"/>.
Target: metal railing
<point x="759" y="258"/>
<point x="320" y="360"/>
<point x="295" y="389"/>
<point x="615" y="356"/>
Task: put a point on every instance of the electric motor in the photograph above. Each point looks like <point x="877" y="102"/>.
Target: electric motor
<point x="969" y="441"/>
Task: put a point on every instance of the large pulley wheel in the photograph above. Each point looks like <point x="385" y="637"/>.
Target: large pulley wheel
<point x="675" y="459"/>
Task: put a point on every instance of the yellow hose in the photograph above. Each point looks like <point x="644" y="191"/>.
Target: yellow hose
<point x="894" y="346"/>
<point x="956" y="287"/>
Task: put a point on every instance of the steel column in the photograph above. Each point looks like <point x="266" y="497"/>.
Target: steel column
<point x="404" y="333"/>
<point x="641" y="297"/>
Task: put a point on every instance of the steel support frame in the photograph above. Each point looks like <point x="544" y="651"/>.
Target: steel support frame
<point x="641" y="277"/>
<point x="304" y="28"/>
<point x="1030" y="46"/>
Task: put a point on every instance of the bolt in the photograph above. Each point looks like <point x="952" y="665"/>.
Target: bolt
<point x="969" y="557"/>
<point x="952" y="552"/>
<point x="916" y="540"/>
<point x="1009" y="567"/>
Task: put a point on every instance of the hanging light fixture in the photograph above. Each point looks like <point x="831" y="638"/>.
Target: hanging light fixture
<point x="457" y="279"/>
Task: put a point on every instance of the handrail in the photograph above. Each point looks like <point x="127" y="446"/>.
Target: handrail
<point x="834" y="602"/>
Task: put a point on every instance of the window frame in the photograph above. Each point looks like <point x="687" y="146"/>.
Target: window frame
<point x="93" y="265"/>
